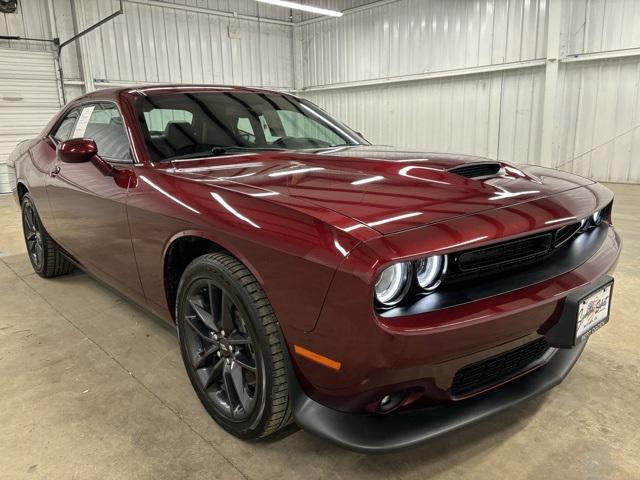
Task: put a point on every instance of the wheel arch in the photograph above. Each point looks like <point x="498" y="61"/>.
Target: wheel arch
<point x="184" y="247"/>
<point x="21" y="190"/>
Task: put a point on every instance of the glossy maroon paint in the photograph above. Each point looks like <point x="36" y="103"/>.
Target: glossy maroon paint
<point x="315" y="230"/>
<point x="77" y="150"/>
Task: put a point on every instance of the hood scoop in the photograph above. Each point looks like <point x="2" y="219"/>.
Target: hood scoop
<point x="478" y="170"/>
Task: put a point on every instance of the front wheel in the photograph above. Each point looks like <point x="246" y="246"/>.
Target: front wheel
<point x="231" y="347"/>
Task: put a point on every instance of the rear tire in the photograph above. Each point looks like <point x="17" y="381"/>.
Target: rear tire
<point x="46" y="258"/>
<point x="232" y="347"/>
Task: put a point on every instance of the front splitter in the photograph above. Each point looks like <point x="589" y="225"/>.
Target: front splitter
<point x="377" y="434"/>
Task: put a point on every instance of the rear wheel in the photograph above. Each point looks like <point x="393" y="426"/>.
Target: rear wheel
<point x="231" y="347"/>
<point x="45" y="256"/>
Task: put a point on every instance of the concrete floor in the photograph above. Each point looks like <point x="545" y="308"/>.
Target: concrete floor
<point x="92" y="387"/>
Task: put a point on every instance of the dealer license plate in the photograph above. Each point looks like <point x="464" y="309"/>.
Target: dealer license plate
<point x="593" y="311"/>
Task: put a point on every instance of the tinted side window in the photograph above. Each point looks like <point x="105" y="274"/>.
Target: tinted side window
<point x="63" y="132"/>
<point x="103" y="123"/>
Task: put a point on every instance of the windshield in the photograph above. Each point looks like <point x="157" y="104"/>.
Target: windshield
<point x="194" y="124"/>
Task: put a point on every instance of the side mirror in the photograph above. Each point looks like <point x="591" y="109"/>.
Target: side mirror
<point x="77" y="150"/>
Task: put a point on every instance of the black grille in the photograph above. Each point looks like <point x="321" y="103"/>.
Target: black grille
<point x="505" y="253"/>
<point x="476" y="170"/>
<point x="492" y="370"/>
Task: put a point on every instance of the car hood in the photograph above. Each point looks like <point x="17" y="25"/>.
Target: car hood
<point x="384" y="188"/>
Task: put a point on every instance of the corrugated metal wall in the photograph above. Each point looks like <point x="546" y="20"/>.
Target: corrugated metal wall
<point x="242" y="7"/>
<point x="28" y="99"/>
<point x="30" y="20"/>
<point x="185" y="41"/>
<point x="494" y="115"/>
<point x="600" y="25"/>
<point x="154" y="43"/>
<point x="416" y="36"/>
<point x="170" y="41"/>
<point x="599" y="104"/>
<point x="345" y="65"/>
<point x="340" y="5"/>
<point x="600" y="121"/>
<point x="428" y="74"/>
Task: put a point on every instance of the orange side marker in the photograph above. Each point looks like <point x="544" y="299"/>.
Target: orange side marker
<point x="327" y="362"/>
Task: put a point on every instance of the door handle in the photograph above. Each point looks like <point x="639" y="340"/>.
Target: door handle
<point x="54" y="171"/>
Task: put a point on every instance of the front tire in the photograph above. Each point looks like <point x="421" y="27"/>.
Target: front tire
<point x="46" y="258"/>
<point x="232" y="347"/>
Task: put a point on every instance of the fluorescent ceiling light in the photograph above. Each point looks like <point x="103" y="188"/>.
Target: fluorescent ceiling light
<point x="306" y="8"/>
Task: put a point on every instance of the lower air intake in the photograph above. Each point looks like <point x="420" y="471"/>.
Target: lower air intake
<point x="491" y="370"/>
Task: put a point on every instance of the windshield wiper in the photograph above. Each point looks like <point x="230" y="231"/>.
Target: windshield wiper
<point x="223" y="150"/>
<point x="238" y="148"/>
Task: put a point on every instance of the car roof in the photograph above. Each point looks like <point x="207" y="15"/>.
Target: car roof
<point x="111" y="93"/>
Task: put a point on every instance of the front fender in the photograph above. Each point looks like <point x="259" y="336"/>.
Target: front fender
<point x="293" y="255"/>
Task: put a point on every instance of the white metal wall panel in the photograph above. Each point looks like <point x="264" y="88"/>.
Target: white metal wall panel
<point x="340" y="5"/>
<point x="30" y="20"/>
<point x="599" y="113"/>
<point x="600" y="121"/>
<point x="519" y="139"/>
<point x="600" y="25"/>
<point x="495" y="115"/>
<point x="416" y="36"/>
<point x="596" y="129"/>
<point x="152" y="43"/>
<point x="28" y="99"/>
<point x="242" y="7"/>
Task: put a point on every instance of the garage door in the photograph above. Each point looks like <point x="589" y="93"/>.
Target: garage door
<point x="28" y="100"/>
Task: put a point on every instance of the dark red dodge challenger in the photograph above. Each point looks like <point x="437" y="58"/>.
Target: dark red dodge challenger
<point x="376" y="297"/>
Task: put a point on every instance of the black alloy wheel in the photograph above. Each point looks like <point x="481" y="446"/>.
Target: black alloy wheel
<point x="32" y="235"/>
<point x="46" y="257"/>
<point x="231" y="346"/>
<point x="221" y="349"/>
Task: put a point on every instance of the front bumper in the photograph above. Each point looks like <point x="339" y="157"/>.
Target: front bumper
<point x="381" y="357"/>
<point x="376" y="434"/>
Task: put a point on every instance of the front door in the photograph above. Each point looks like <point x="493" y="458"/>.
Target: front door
<point x="89" y="207"/>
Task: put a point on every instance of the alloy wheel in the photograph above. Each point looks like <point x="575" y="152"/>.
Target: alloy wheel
<point x="221" y="350"/>
<point x="33" y="237"/>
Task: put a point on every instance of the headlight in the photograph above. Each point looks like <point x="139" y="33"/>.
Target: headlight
<point x="429" y="271"/>
<point x="596" y="218"/>
<point x="393" y="283"/>
<point x="592" y="221"/>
